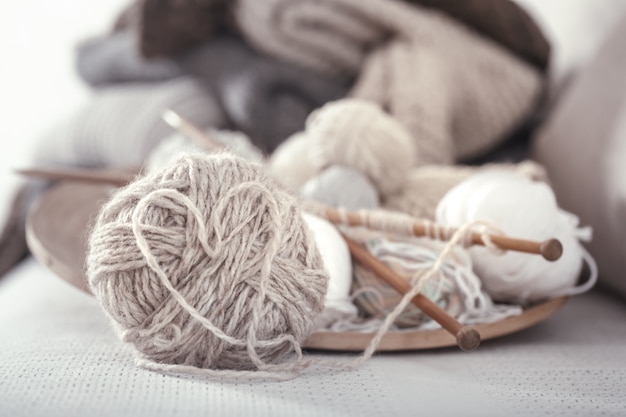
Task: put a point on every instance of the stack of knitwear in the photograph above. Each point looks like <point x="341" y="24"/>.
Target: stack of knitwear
<point x="121" y="124"/>
<point x="165" y="28"/>
<point x="458" y="93"/>
<point x="267" y="99"/>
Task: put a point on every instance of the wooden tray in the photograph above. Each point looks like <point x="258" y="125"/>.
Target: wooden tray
<point x="56" y="232"/>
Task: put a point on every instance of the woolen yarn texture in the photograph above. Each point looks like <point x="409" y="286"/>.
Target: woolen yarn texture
<point x="360" y="135"/>
<point x="247" y="280"/>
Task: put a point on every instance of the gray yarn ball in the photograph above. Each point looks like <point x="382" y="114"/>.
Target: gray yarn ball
<point x="170" y="148"/>
<point x="340" y="186"/>
<point x="207" y="263"/>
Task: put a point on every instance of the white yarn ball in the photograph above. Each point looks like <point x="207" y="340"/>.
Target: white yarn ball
<point x="523" y="209"/>
<point x="291" y="163"/>
<point x="359" y="134"/>
<point x="340" y="186"/>
<point x="338" y="263"/>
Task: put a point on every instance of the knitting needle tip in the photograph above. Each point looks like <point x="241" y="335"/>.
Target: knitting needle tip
<point x="468" y="339"/>
<point x="551" y="249"/>
<point x="191" y="131"/>
<point x="171" y="118"/>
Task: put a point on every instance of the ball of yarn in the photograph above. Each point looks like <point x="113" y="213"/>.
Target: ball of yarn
<point x="207" y="263"/>
<point x="291" y="164"/>
<point x="340" y="186"/>
<point x="338" y="263"/>
<point x="360" y="135"/>
<point x="523" y="209"/>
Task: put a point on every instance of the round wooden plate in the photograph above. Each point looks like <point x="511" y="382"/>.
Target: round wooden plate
<point x="56" y="232"/>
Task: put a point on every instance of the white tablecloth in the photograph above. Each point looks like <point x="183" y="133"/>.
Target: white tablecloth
<point x="59" y="357"/>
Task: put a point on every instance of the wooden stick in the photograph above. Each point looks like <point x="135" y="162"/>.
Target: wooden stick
<point x="192" y="132"/>
<point x="100" y="176"/>
<point x="467" y="338"/>
<point x="550" y="249"/>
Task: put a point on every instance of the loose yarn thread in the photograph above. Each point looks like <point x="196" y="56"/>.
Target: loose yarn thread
<point x="458" y="289"/>
<point x="418" y="281"/>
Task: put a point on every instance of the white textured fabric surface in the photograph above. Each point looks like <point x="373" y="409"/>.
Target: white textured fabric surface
<point x="59" y="357"/>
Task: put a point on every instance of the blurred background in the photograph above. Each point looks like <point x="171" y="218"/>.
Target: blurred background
<point x="39" y="85"/>
<point x="38" y="82"/>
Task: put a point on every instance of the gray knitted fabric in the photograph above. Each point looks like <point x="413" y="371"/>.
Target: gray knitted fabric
<point x="115" y="58"/>
<point x="121" y="125"/>
<point x="458" y="93"/>
<point x="267" y="99"/>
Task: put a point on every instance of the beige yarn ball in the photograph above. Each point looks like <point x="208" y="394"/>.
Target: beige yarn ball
<point x="291" y="164"/>
<point x="360" y="135"/>
<point x="207" y="263"/>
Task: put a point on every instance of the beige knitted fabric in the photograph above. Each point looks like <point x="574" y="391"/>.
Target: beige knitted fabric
<point x="425" y="186"/>
<point x="457" y="92"/>
<point x="208" y="264"/>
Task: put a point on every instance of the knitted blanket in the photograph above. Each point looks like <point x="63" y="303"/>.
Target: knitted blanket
<point x="121" y="124"/>
<point x="457" y="92"/>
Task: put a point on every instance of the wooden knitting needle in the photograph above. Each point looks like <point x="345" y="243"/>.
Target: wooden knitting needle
<point x="550" y="249"/>
<point x="191" y="131"/>
<point x="467" y="338"/>
<point x="99" y="176"/>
